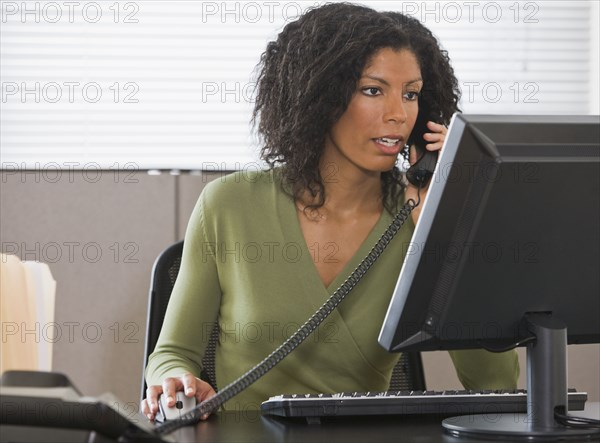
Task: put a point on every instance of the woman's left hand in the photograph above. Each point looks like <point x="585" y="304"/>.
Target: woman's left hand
<point x="435" y="138"/>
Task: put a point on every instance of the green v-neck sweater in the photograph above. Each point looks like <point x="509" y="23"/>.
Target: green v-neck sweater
<point x="246" y="264"/>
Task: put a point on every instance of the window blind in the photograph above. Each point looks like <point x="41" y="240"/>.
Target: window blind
<point x="169" y="85"/>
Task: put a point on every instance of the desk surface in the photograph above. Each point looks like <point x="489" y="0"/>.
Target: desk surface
<point x="251" y="427"/>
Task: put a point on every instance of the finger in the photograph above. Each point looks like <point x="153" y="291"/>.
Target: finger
<point x="436" y="140"/>
<point x="152" y="394"/>
<point x="434" y="146"/>
<point x="438" y="132"/>
<point x="434" y="136"/>
<point x="435" y="127"/>
<point x="144" y="408"/>
<point x="170" y="386"/>
<point x="147" y="411"/>
<point x="189" y="384"/>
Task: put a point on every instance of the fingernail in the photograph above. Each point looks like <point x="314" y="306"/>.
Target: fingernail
<point x="149" y="416"/>
<point x="188" y="391"/>
<point x="170" y="399"/>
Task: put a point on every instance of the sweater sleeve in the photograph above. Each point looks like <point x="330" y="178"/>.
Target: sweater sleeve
<point x="480" y="369"/>
<point x="193" y="306"/>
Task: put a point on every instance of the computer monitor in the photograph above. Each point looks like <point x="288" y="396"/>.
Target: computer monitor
<point x="507" y="252"/>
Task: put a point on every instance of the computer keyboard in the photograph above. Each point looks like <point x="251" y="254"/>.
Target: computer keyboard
<point x="406" y="403"/>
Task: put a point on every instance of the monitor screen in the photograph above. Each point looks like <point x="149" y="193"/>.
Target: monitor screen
<point x="510" y="225"/>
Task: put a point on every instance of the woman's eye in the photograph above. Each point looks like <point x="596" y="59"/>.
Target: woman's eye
<point x="412" y="95"/>
<point x="371" y="91"/>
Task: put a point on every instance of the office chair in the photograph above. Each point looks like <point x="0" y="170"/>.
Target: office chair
<point x="407" y="374"/>
<point x="164" y="274"/>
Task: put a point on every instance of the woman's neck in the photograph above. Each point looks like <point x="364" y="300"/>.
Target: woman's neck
<point x="348" y="193"/>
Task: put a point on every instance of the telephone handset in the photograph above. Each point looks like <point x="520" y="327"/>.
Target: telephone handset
<point x="420" y="173"/>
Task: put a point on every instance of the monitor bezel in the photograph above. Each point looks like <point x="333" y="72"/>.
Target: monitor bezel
<point x="405" y="306"/>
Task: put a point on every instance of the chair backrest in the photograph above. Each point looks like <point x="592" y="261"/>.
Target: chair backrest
<point x="164" y="274"/>
<point x="407" y="374"/>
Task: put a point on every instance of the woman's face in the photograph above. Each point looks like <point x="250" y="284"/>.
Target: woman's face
<point x="380" y="116"/>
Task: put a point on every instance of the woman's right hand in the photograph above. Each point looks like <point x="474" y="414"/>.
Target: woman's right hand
<point x="192" y="387"/>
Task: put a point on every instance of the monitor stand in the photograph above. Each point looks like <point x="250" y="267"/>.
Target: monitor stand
<point x="546" y="389"/>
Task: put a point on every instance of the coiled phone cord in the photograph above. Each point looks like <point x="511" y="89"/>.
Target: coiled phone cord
<point x="237" y="386"/>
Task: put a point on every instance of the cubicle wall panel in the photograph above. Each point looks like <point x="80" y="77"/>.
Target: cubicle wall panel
<point x="100" y="234"/>
<point x="583" y="371"/>
<point x="189" y="188"/>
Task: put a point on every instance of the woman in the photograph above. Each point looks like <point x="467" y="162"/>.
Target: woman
<point x="339" y="94"/>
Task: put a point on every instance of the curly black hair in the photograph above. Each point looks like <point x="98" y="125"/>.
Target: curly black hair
<point x="440" y="94"/>
<point x="307" y="78"/>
